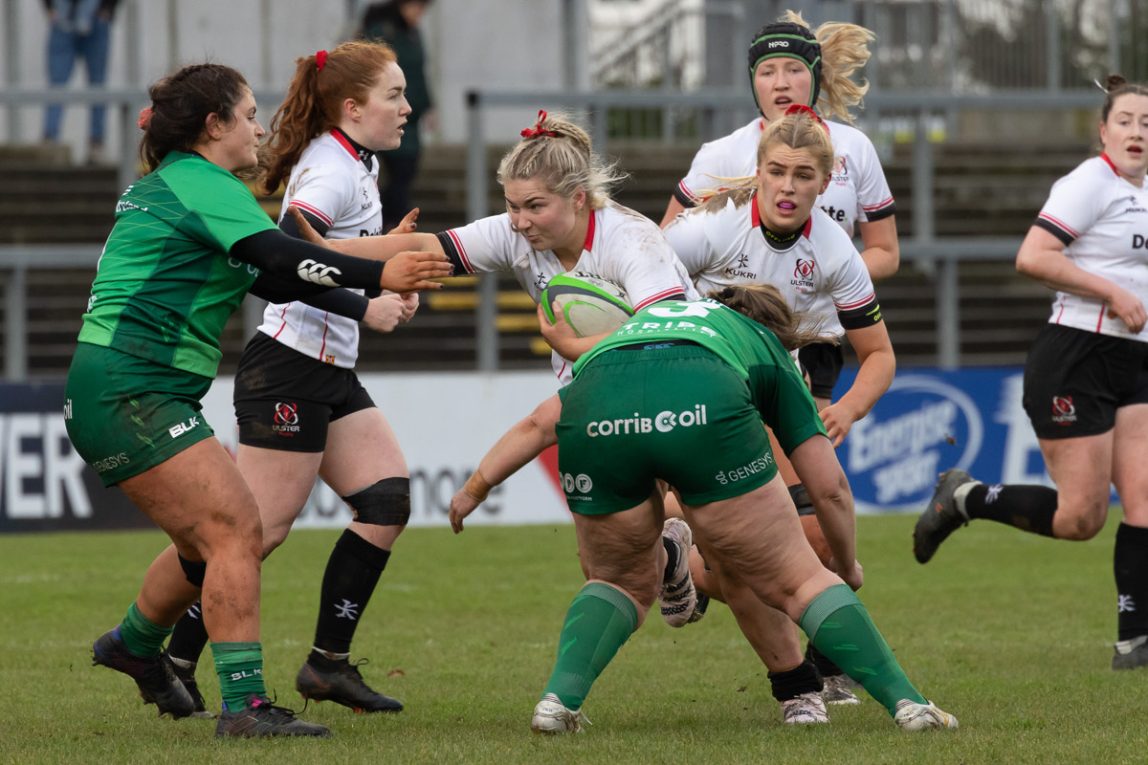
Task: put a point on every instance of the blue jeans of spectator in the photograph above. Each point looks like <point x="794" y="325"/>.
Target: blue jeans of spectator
<point x="64" y="47"/>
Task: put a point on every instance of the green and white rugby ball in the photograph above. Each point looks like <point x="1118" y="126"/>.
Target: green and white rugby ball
<point x="590" y="305"/>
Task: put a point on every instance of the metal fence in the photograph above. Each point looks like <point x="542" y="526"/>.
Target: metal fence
<point x="924" y="248"/>
<point x="961" y="46"/>
<point x="932" y="59"/>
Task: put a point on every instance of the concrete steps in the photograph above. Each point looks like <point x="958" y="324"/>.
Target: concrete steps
<point x="979" y="191"/>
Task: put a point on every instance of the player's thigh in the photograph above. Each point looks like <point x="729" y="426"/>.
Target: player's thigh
<point x="1081" y="468"/>
<point x="361" y="450"/>
<point x="622" y="548"/>
<point x="200" y="499"/>
<point x="758" y="539"/>
<point x="1129" y="472"/>
<point x="281" y="481"/>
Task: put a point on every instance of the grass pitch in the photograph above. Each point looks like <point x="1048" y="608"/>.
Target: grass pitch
<point x="1010" y="632"/>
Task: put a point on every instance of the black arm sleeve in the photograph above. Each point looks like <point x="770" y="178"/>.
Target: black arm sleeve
<point x="341" y="302"/>
<point x="278" y="254"/>
<point x="336" y="300"/>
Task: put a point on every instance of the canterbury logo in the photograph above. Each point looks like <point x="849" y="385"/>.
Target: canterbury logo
<point x="317" y="273"/>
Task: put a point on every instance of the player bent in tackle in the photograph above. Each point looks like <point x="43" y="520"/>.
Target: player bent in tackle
<point x="674" y="358"/>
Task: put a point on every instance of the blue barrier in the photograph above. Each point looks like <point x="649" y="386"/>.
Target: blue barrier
<point x="932" y="420"/>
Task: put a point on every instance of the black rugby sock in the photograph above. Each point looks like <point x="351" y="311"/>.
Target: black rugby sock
<point x="352" y="572"/>
<point x="1028" y="508"/>
<point x="1130" y="564"/>
<point x="189" y="637"/>
<point x="792" y="683"/>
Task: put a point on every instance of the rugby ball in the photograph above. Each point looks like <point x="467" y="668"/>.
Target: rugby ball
<point x="590" y="305"/>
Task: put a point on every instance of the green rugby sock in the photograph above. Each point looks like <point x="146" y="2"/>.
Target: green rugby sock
<point x="142" y="636"/>
<point x="839" y="626"/>
<point x="240" y="670"/>
<point x="600" y="620"/>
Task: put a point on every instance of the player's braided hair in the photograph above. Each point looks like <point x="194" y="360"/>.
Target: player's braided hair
<point x="314" y="101"/>
<point x="558" y="151"/>
<point x="180" y="105"/>
<point x="764" y="304"/>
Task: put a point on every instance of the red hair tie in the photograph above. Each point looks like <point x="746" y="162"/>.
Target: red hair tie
<point x="144" y="118"/>
<point x="320" y="59"/>
<point x="803" y="109"/>
<point x="538" y="130"/>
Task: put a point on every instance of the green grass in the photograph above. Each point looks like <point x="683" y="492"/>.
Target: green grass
<point x="1008" y="631"/>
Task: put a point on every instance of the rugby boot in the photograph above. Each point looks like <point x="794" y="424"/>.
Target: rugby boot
<point x="340" y="681"/>
<point x="942" y="516"/>
<point x="154" y="675"/>
<point x="262" y="719"/>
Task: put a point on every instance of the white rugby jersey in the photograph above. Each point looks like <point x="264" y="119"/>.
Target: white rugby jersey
<point x="1103" y="221"/>
<point x="857" y="192"/>
<point x="820" y="274"/>
<point x="331" y="182"/>
<point x="621" y="246"/>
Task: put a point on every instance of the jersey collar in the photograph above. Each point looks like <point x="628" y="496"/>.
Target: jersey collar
<point x="589" y="243"/>
<point x="353" y="148"/>
<point x="1108" y="160"/>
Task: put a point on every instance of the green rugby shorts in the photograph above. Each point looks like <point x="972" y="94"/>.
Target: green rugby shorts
<point x="675" y="412"/>
<point x="126" y="414"/>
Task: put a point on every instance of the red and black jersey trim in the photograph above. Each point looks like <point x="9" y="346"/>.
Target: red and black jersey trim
<point x="860" y="314"/>
<point x="455" y="252"/>
<point x="1058" y="228"/>
<point x="684" y="197"/>
<point x="880" y="211"/>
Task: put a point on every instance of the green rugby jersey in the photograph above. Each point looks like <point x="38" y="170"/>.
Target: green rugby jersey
<point x="165" y="285"/>
<point x="775" y="386"/>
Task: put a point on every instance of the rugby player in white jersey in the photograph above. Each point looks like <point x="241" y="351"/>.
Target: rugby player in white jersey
<point x="789" y="63"/>
<point x="560" y="218"/>
<point x="1086" y="378"/>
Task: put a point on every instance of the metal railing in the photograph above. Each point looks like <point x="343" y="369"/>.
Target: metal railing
<point x="933" y="254"/>
<point x="123" y="105"/>
<point x="957" y="45"/>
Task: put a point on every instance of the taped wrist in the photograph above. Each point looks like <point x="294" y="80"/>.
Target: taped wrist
<point x="477" y="486"/>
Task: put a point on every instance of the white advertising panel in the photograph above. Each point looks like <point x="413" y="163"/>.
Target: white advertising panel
<point x="445" y="422"/>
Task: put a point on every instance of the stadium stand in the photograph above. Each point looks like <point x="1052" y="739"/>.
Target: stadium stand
<point x="980" y="191"/>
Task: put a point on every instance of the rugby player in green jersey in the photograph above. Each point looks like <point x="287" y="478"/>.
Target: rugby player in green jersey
<point x="679" y="394"/>
<point x="189" y="242"/>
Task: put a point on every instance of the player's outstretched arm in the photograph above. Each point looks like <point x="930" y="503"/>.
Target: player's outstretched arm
<point x="518" y="446"/>
<point x="413" y="260"/>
